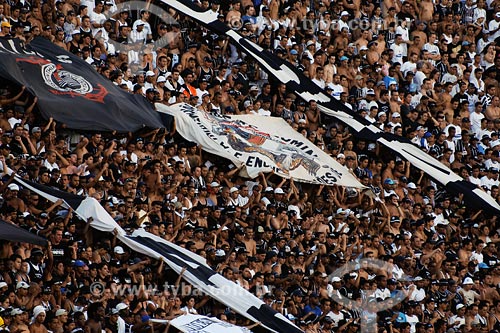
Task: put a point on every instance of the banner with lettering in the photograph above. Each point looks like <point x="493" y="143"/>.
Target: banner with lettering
<point x="71" y="91"/>
<point x="191" y="323"/>
<point x="261" y="144"/>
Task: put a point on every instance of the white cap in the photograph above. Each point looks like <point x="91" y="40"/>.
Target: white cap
<point x="411" y="186"/>
<point x="224" y="228"/>
<point x="363" y="48"/>
<point x="121" y="306"/>
<point x="459" y="306"/>
<point x="13" y="187"/>
<point x="38" y="310"/>
<point x="118" y="250"/>
<point x="279" y="190"/>
<point x="336" y="279"/>
<point x="61" y="312"/>
<point x="468" y="280"/>
<point x="344" y="13"/>
<point x="296" y="209"/>
<point x="16" y="311"/>
<point x="340" y="156"/>
<point x="396" y="114"/>
<point x="3" y="284"/>
<point x="22" y="284"/>
<point x="214" y="184"/>
<point x="150" y="73"/>
<point x="233" y="189"/>
<point x="161" y="79"/>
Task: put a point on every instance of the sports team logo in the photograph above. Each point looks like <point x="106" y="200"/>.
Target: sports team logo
<point x="64" y="81"/>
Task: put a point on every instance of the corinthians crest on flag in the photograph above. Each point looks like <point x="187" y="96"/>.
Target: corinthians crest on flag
<point x="70" y="90"/>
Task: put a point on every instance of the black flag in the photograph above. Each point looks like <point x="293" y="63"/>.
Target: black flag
<point x="71" y="91"/>
<point x="11" y="232"/>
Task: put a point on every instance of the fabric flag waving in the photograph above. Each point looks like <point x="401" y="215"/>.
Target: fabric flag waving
<point x="198" y="273"/>
<point x="71" y="91"/>
<point x="301" y="85"/>
<point x="252" y="140"/>
<point x="11" y="232"/>
<point x="191" y="323"/>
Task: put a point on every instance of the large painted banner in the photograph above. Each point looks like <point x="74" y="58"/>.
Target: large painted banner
<point x="303" y="87"/>
<point x="191" y="323"/>
<point x="70" y="90"/>
<point x="260" y="144"/>
<point x="198" y="273"/>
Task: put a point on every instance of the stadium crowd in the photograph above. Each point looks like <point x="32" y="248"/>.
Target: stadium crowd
<point x="426" y="70"/>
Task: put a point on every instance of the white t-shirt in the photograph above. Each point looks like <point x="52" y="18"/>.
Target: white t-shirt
<point x="475" y="121"/>
<point x="319" y="82"/>
<point x="406" y="37"/>
<point x="133" y="156"/>
<point x="493" y="26"/>
<point x="433" y="50"/>
<point x="408" y="66"/>
<point x="456" y="321"/>
<point x="146" y="29"/>
<point x="96" y="18"/>
<point x="50" y="166"/>
<point x="398" y="52"/>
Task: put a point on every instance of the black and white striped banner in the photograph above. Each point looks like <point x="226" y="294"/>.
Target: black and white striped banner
<point x="198" y="273"/>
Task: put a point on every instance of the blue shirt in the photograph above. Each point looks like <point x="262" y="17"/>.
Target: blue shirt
<point x="316" y="310"/>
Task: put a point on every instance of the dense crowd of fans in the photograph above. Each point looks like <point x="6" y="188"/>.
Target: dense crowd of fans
<point x="424" y="70"/>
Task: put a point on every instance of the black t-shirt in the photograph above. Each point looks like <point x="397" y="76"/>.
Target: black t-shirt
<point x="116" y="171"/>
<point x="35" y="272"/>
<point x="384" y="107"/>
<point x="490" y="260"/>
<point x="59" y="252"/>
<point x="92" y="149"/>
<point x="460" y="98"/>
<point x="286" y="270"/>
<point x="113" y="327"/>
